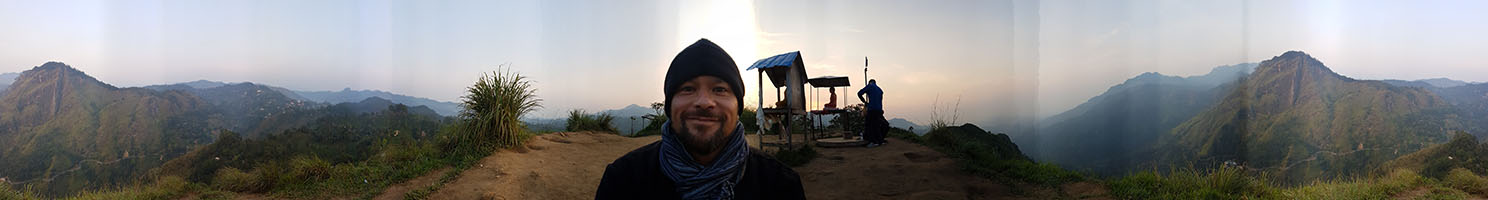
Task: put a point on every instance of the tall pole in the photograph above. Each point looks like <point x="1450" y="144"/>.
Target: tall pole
<point x="865" y="70"/>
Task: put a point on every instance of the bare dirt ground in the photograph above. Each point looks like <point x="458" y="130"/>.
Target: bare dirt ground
<point x="397" y="191"/>
<point x="569" y="166"/>
<point x="551" y="166"/>
<point x="904" y="170"/>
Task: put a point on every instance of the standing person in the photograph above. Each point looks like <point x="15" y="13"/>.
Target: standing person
<point x="702" y="153"/>
<point x="874" y="124"/>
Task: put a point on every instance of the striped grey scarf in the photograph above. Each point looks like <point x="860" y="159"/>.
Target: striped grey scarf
<point x="695" y="181"/>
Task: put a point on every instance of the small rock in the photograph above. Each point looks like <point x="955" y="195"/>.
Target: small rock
<point x="536" y="147"/>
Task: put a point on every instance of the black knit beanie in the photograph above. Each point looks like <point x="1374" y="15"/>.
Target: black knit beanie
<point x="703" y="58"/>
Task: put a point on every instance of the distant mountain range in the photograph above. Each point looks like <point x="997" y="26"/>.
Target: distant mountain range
<point x="1298" y="119"/>
<point x="622" y="122"/>
<point x="1289" y="116"/>
<point x="1106" y="133"/>
<point x="1435" y="82"/>
<point x="6" y="79"/>
<point x="62" y="130"/>
<point x="907" y="125"/>
<point x="347" y="95"/>
<point x="378" y="104"/>
<point x="56" y="119"/>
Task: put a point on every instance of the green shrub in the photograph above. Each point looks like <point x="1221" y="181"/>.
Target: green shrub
<point x="579" y="120"/>
<point x="8" y="193"/>
<point x="272" y="175"/>
<point x="1398" y="181"/>
<point x="1219" y="183"/>
<point x="232" y="179"/>
<point x="309" y="168"/>
<point x="170" y="187"/>
<point x="1466" y="181"/>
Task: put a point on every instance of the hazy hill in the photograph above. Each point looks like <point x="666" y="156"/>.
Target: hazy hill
<point x="623" y="123"/>
<point x="906" y="124"/>
<point x="340" y="134"/>
<point x="62" y="130"/>
<point x="376" y="104"/>
<point x="1463" y="151"/>
<point x="1472" y="102"/>
<point x="6" y="79"/>
<point x="251" y="109"/>
<point x="350" y="96"/>
<point x="1112" y="133"/>
<point x="1297" y="118"/>
<point x="1470" y="99"/>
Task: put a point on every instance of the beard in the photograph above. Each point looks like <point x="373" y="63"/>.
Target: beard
<point x="693" y="139"/>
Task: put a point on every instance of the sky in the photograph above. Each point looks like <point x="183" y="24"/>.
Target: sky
<point x="1006" y="61"/>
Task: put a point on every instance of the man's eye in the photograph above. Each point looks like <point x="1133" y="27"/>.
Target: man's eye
<point x="720" y="89"/>
<point x="688" y="89"/>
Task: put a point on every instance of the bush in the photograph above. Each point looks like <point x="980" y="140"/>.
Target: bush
<point x="1220" y="183"/>
<point x="1466" y="181"/>
<point x="232" y="179"/>
<point x="578" y="120"/>
<point x="170" y="187"/>
<point x="309" y="168"/>
<point x="6" y="192"/>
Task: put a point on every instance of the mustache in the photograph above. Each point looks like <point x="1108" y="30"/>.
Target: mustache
<point x="701" y="113"/>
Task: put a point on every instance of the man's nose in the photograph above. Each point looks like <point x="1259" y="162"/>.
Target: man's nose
<point x="704" y="102"/>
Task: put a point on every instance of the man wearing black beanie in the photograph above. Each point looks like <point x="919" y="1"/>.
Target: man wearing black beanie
<point x="702" y="153"/>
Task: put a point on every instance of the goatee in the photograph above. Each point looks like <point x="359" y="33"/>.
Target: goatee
<point x="701" y="145"/>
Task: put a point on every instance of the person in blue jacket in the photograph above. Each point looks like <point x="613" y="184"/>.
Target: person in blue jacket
<point x="875" y="127"/>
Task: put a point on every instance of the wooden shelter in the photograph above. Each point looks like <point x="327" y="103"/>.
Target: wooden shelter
<point x="787" y="72"/>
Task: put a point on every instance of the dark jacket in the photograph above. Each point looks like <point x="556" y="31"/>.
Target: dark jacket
<point x="875" y="96"/>
<point x="637" y="175"/>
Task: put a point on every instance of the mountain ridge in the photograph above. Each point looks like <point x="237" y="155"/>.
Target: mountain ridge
<point x="1109" y="133"/>
<point x="57" y="118"/>
<point x="1292" y="108"/>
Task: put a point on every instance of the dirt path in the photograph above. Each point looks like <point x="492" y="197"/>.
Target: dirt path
<point x="899" y="170"/>
<point x="569" y="166"/>
<point x="904" y="170"/>
<point x="553" y="166"/>
<point x="397" y="191"/>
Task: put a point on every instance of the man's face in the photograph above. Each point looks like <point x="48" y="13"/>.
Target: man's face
<point x="704" y="112"/>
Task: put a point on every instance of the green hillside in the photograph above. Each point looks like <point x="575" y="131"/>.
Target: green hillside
<point x="1299" y="120"/>
<point x="63" y="130"/>
<point x="1111" y="134"/>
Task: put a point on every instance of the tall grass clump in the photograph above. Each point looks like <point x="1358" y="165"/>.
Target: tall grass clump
<point x="232" y="179"/>
<point x="8" y="193"/>
<point x="1218" y="183"/>
<point x="579" y="120"/>
<point x="493" y="107"/>
<point x="942" y="117"/>
<point x="170" y="187"/>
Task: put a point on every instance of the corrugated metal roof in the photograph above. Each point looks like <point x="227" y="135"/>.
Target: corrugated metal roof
<point x="782" y="60"/>
<point x="829" y="81"/>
